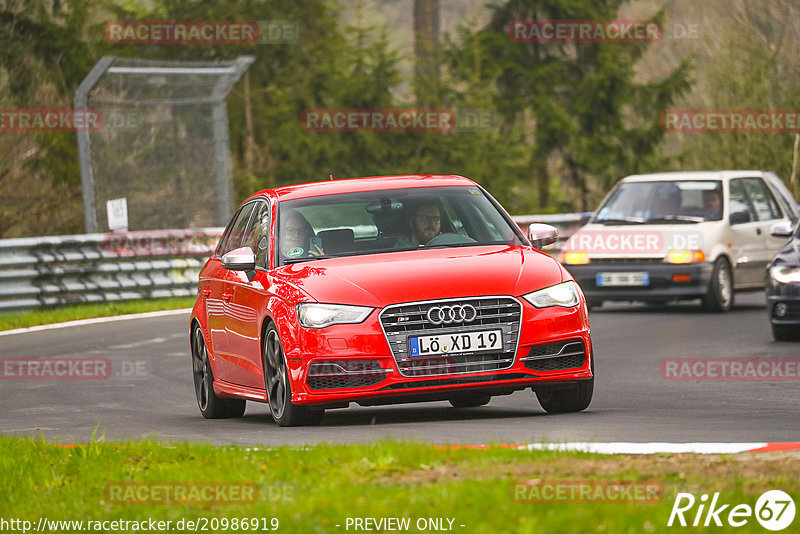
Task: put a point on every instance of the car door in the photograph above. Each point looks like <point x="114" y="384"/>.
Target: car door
<point x="768" y="213"/>
<point x="219" y="293"/>
<point x="747" y="241"/>
<point x="249" y="295"/>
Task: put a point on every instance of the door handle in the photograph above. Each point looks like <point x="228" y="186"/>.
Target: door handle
<point x="758" y="231"/>
<point x="227" y="297"/>
<point x="206" y="292"/>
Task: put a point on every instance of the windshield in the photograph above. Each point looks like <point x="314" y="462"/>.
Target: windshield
<point x="679" y="201"/>
<point x="389" y="221"/>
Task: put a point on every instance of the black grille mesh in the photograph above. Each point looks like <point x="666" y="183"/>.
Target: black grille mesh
<point x="340" y="382"/>
<point x="335" y="374"/>
<point x="574" y="356"/>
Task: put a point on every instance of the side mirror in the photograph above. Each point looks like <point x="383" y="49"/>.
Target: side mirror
<point x="740" y="217"/>
<point x="585" y="217"/>
<point x="781" y="229"/>
<point x="541" y="235"/>
<point x="240" y="259"/>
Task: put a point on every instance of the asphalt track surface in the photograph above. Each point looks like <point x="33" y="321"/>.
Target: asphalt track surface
<point x="150" y="391"/>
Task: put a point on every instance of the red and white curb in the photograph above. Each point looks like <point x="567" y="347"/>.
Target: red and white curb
<point x="623" y="447"/>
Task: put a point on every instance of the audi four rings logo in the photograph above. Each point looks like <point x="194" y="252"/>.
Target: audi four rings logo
<point x="452" y="314"/>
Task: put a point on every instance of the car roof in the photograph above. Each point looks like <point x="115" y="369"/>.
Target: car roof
<point x="355" y="185"/>
<point x="691" y="175"/>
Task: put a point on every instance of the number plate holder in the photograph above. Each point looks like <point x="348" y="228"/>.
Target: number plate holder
<point x="623" y="279"/>
<point x="456" y="343"/>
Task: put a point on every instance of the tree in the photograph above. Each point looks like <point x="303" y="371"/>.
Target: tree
<point x="581" y="100"/>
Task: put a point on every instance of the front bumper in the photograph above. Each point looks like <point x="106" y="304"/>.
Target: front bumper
<point x="789" y="296"/>
<point x="553" y="349"/>
<point x="666" y="281"/>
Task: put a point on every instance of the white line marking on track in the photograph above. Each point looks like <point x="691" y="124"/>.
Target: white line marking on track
<point x="648" y="448"/>
<point x="97" y="320"/>
<point x="643" y="448"/>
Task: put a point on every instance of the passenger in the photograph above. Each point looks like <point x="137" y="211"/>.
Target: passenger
<point x="667" y="201"/>
<point x="296" y="236"/>
<point x="425" y="223"/>
<point x="712" y="205"/>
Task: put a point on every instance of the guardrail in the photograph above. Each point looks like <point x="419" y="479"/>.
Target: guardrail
<point x="40" y="272"/>
<point x="53" y="271"/>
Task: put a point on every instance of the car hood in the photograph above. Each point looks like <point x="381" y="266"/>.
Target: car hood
<point x="379" y="280"/>
<point x="789" y="254"/>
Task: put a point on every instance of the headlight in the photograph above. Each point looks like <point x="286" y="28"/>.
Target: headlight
<point x="574" y="257"/>
<point x="314" y="315"/>
<point x="564" y="294"/>
<point x="785" y="274"/>
<point x="685" y="256"/>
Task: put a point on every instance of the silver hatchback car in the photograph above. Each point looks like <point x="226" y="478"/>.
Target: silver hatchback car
<point x="681" y="235"/>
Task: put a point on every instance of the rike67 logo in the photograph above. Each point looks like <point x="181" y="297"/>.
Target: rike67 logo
<point x="774" y="510"/>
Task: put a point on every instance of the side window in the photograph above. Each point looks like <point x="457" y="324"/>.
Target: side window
<point x="454" y="222"/>
<point x="232" y="238"/>
<point x="785" y="198"/>
<point x="258" y="234"/>
<point x="739" y="202"/>
<point x="762" y="198"/>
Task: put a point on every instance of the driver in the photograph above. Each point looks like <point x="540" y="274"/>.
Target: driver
<point x="425" y="223"/>
<point x="295" y="236"/>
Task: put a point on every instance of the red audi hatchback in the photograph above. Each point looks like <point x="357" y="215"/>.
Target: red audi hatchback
<point x="381" y="291"/>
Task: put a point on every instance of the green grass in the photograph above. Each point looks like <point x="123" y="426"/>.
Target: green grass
<point x="10" y="321"/>
<point x="313" y="489"/>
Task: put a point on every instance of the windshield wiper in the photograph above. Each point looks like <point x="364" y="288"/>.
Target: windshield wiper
<point x="621" y="220"/>
<point x="455" y="245"/>
<point x="676" y="218"/>
<point x="307" y="258"/>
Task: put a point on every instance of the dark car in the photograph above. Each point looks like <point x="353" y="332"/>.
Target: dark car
<point x="783" y="288"/>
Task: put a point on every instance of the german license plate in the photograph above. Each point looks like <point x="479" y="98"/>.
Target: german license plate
<point x="623" y="279"/>
<point x="453" y="343"/>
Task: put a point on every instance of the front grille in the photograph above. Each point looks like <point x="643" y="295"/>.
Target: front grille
<point x="556" y="356"/>
<point x="402" y="321"/>
<point x="344" y="374"/>
<point x="632" y="261"/>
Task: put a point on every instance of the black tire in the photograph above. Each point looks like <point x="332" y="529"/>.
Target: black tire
<point x="720" y="295"/>
<point x="469" y="401"/>
<point x="279" y="390"/>
<point x="211" y="406"/>
<point x="573" y="399"/>
<point x="781" y="332"/>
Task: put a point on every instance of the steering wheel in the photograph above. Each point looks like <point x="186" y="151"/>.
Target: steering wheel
<point x="449" y="239"/>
